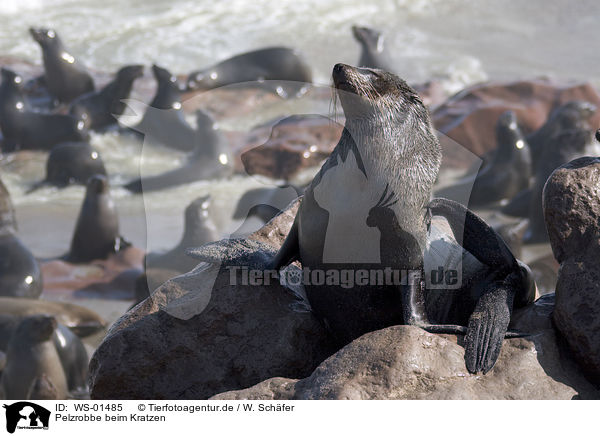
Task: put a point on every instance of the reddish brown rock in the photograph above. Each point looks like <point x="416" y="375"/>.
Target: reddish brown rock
<point x="113" y="278"/>
<point x="572" y="212"/>
<point x="295" y="143"/>
<point x="469" y="117"/>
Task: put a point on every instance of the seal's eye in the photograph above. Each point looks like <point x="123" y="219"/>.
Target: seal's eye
<point x="50" y="34"/>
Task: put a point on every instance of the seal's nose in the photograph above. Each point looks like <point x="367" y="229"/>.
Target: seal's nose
<point x="339" y="68"/>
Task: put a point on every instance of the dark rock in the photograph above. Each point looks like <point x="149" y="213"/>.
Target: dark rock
<point x="199" y="335"/>
<point x="572" y="213"/>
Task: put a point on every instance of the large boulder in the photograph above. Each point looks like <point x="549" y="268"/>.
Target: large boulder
<point x="295" y="143"/>
<point x="199" y="334"/>
<point x="405" y="362"/>
<point x="572" y="213"/>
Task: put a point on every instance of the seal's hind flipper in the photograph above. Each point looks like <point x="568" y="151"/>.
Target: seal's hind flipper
<point x="487" y="327"/>
<point x="475" y="235"/>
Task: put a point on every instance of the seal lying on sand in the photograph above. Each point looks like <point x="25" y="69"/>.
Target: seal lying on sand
<point x="24" y="129"/>
<point x="210" y="160"/>
<point x="99" y="110"/>
<point x="279" y="69"/>
<point x="64" y="76"/>
<point x="368" y="208"/>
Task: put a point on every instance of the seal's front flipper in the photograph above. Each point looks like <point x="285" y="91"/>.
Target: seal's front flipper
<point x="289" y="251"/>
<point x="487" y="327"/>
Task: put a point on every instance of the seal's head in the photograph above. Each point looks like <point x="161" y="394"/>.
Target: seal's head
<point x="368" y="37"/>
<point x="163" y="75"/>
<point x="197" y="210"/>
<point x="36" y="328"/>
<point x="12" y="78"/>
<point x="96" y="185"/>
<point x="572" y="115"/>
<point x="46" y="38"/>
<point x="131" y="72"/>
<point x="376" y="95"/>
<point x="508" y="134"/>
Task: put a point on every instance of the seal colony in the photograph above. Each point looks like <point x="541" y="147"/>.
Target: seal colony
<point x="368" y="208"/>
<point x="388" y="158"/>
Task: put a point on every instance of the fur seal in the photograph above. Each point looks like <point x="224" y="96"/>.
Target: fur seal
<point x="278" y="69"/>
<point x="210" y="160"/>
<point x="65" y="77"/>
<point x="42" y="388"/>
<point x="504" y="176"/>
<point x="80" y="320"/>
<point x="372" y="48"/>
<point x="25" y="129"/>
<point x="572" y="115"/>
<point x="20" y="274"/>
<point x="97" y="230"/>
<point x="71" y="163"/>
<point x="164" y="120"/>
<point x="73" y="357"/>
<point x="199" y="229"/>
<point x="8" y="220"/>
<point x="368" y="207"/>
<point x="30" y="354"/>
<point x="99" y="110"/>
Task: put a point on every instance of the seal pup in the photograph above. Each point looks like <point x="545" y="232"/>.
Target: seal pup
<point x="199" y="229"/>
<point x="25" y="129"/>
<point x="278" y="69"/>
<point x="164" y="120"/>
<point x="31" y="354"/>
<point x="65" y="77"/>
<point x="210" y="160"/>
<point x="372" y="53"/>
<point x="100" y="109"/>
<point x="20" y="274"/>
<point x="71" y="163"/>
<point x="388" y="155"/>
<point x="504" y="176"/>
<point x="97" y="230"/>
